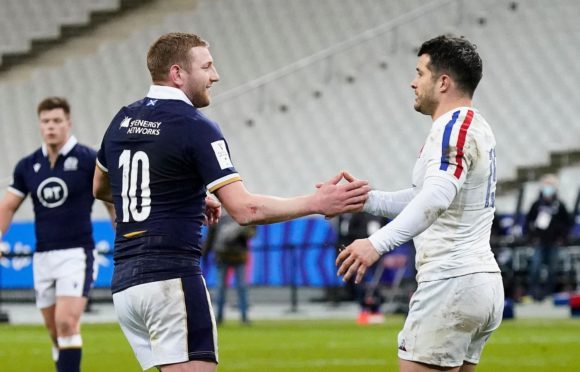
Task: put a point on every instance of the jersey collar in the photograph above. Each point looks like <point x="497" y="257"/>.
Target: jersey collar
<point x="165" y="92"/>
<point x="72" y="141"/>
<point x="444" y="118"/>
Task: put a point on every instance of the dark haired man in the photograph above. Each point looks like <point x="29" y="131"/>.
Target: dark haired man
<point x="58" y="177"/>
<point x="448" y="212"/>
<point x="158" y="158"/>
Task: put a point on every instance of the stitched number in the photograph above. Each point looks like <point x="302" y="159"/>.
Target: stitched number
<point x="135" y="168"/>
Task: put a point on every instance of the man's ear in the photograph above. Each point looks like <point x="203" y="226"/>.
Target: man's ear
<point x="175" y="75"/>
<point x="445" y="83"/>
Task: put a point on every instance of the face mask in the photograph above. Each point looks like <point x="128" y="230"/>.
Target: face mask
<point x="548" y="191"/>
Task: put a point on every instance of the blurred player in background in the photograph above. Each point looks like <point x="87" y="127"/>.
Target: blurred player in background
<point x="548" y="225"/>
<point x="58" y="177"/>
<point x="158" y="159"/>
<point x="448" y="212"/>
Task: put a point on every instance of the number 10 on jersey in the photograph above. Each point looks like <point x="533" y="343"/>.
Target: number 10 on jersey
<point x="135" y="167"/>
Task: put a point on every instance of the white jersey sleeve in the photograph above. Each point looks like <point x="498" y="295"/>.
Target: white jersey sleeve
<point x="433" y="199"/>
<point x="388" y="204"/>
<point x="450" y="228"/>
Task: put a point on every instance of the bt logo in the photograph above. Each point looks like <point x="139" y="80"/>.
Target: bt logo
<point x="52" y="192"/>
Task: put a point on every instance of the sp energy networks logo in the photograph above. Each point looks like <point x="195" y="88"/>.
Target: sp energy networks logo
<point x="139" y="126"/>
<point x="52" y="192"/>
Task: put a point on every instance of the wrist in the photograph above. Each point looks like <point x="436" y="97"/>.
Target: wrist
<point x="368" y="206"/>
<point x="313" y="205"/>
<point x="378" y="244"/>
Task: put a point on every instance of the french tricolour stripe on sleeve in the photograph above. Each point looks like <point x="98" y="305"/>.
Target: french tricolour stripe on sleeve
<point x="445" y="149"/>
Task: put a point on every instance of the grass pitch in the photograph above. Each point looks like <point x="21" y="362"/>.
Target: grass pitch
<point x="307" y="345"/>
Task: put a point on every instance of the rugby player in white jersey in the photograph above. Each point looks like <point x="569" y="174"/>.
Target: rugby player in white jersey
<point x="448" y="213"/>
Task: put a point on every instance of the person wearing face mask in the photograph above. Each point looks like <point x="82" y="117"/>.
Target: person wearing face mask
<point x="548" y="224"/>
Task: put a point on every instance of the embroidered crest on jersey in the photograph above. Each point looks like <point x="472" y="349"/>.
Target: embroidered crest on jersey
<point x="36" y="167"/>
<point x="71" y="164"/>
<point x="52" y="192"/>
<point x="221" y="153"/>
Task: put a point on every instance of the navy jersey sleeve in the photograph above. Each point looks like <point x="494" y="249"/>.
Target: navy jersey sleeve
<point x="18" y="185"/>
<point x="101" y="154"/>
<point x="101" y="159"/>
<point x="210" y="154"/>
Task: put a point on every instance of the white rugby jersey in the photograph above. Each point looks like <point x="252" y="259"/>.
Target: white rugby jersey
<point x="460" y="148"/>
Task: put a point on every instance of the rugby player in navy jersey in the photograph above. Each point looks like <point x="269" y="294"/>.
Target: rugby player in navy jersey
<point x="58" y="177"/>
<point x="158" y="159"/>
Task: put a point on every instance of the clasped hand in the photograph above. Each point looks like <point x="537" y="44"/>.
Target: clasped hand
<point x="334" y="198"/>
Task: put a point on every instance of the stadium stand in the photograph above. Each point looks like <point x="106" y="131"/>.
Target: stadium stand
<point x="29" y="27"/>
<point x="348" y="88"/>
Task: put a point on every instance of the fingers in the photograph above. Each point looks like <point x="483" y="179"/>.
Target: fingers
<point x="318" y="185"/>
<point x="215" y="215"/>
<point x="360" y="273"/>
<point x="212" y="202"/>
<point x="360" y="199"/>
<point x="359" y="184"/>
<point x="352" y="269"/>
<point x="349" y="177"/>
<point x="334" y="180"/>
<point x="342" y="256"/>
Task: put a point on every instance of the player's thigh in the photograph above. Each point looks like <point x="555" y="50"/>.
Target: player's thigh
<point x="48" y="315"/>
<point x="68" y="314"/>
<point x="133" y="326"/>
<point x="176" y="314"/>
<point x="44" y="267"/>
<point x="444" y="315"/>
<point x="76" y="272"/>
<point x="492" y="294"/>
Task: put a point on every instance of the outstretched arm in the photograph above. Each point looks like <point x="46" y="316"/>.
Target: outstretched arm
<point x="434" y="199"/>
<point x="383" y="203"/>
<point x="329" y="199"/>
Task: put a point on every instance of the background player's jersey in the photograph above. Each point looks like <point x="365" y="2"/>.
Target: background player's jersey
<point x="161" y="155"/>
<point x="62" y="196"/>
<point x="461" y="148"/>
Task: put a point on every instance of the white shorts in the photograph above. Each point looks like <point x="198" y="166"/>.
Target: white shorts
<point x="169" y="321"/>
<point x="450" y="320"/>
<point x="63" y="272"/>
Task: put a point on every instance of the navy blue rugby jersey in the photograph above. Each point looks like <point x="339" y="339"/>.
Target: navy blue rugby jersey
<point x="62" y="196"/>
<point x="161" y="155"/>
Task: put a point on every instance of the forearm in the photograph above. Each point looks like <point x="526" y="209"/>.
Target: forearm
<point x="111" y="210"/>
<point x="388" y="204"/>
<point x="264" y="209"/>
<point x="101" y="186"/>
<point x="434" y="199"/>
<point x="6" y="217"/>
<point x="8" y="207"/>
